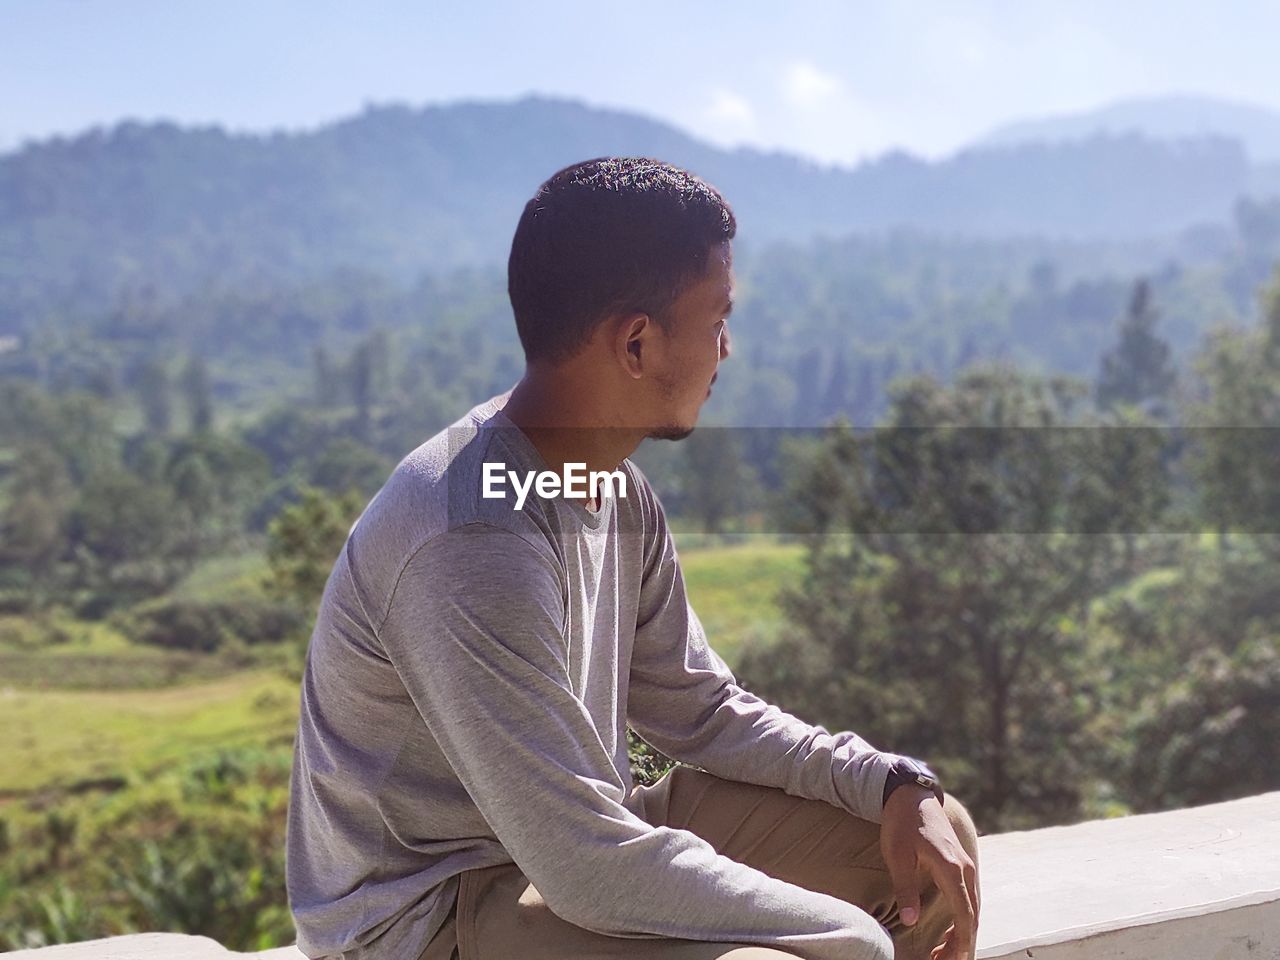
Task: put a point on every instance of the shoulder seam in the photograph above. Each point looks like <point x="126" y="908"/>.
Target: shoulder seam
<point x="409" y="557"/>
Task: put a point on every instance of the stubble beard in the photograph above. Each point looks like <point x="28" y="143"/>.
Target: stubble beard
<point x="672" y="432"/>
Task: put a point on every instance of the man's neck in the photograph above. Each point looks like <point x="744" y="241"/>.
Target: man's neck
<point x="552" y="413"/>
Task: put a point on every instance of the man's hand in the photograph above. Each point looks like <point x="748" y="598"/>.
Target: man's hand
<point x="915" y="833"/>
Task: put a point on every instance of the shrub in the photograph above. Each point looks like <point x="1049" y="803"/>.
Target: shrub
<point x="205" y="626"/>
<point x="30" y="634"/>
<point x="198" y="849"/>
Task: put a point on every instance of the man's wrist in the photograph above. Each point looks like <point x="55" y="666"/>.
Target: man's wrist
<point x="908" y="771"/>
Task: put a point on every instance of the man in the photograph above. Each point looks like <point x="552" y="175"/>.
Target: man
<point x="461" y="785"/>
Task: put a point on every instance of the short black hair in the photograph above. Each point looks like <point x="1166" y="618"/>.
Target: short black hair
<point x="608" y="236"/>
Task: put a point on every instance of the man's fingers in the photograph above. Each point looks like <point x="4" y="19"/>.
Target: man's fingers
<point x="949" y="875"/>
<point x="944" y="949"/>
<point x="949" y="948"/>
<point x="906" y="886"/>
<point x="906" y="891"/>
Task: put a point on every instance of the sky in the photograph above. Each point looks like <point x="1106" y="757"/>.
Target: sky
<point x="837" y="82"/>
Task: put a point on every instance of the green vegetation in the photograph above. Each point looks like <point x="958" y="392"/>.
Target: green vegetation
<point x="66" y="653"/>
<point x="238" y="575"/>
<point x="734" y="590"/>
<point x="58" y="738"/>
<point x="197" y="848"/>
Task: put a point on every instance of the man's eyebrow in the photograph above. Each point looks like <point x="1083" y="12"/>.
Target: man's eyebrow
<point x="728" y="307"/>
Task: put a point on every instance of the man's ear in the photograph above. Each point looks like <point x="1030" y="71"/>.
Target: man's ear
<point x="633" y="343"/>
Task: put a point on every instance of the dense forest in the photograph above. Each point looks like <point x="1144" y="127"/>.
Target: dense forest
<point x="1013" y="484"/>
<point x="400" y="191"/>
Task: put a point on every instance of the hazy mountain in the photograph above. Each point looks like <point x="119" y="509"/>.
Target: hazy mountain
<point x="399" y="190"/>
<point x="1163" y="118"/>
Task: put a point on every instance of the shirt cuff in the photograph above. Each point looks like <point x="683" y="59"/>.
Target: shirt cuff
<point x="871" y="792"/>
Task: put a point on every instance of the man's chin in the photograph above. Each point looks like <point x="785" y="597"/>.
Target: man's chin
<point x="669" y="433"/>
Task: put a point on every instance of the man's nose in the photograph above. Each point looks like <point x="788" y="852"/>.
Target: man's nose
<point x="724" y="343"/>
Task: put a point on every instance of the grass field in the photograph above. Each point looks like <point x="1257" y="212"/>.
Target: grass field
<point x="733" y="589"/>
<point x="98" y="657"/>
<point x="62" y="738"/>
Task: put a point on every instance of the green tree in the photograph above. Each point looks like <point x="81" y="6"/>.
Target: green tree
<point x="361" y="379"/>
<point x="325" y="381"/>
<point x="1269" y="301"/>
<point x="125" y="542"/>
<point x="1138" y="369"/>
<point x="199" y="394"/>
<point x="808" y="380"/>
<point x="35" y="520"/>
<point x="835" y="399"/>
<point x="1237" y="416"/>
<point x="154" y="393"/>
<point x="1212" y="735"/>
<point x="303" y="542"/>
<point x="368" y="373"/>
<point x="346" y="464"/>
<point x="195" y="489"/>
<point x="943" y="608"/>
<point x="716" y="482"/>
<point x="216" y="479"/>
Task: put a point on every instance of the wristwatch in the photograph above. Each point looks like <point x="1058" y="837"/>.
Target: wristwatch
<point x="909" y="770"/>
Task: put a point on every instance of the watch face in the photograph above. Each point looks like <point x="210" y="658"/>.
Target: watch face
<point x="923" y="775"/>
<point x="919" y="768"/>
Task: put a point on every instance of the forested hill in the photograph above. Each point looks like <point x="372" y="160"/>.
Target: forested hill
<point x="399" y="190"/>
<point x="1163" y="118"/>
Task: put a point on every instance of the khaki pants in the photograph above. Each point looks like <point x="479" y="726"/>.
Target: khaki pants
<point x="501" y="916"/>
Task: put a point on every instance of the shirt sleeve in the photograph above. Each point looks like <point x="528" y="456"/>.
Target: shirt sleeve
<point x="685" y="701"/>
<point x="475" y="630"/>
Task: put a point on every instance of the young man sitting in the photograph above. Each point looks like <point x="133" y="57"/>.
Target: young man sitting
<point x="461" y="784"/>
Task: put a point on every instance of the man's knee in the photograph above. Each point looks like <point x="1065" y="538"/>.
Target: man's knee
<point x="870" y="941"/>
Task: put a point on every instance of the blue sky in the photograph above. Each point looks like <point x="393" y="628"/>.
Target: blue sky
<point x="839" y="82"/>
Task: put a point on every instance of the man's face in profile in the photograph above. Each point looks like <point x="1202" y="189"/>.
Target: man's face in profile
<point x="698" y="341"/>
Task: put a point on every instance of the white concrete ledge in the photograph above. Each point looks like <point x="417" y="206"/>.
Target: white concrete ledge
<point x="1195" y="884"/>
<point x="152" y="946"/>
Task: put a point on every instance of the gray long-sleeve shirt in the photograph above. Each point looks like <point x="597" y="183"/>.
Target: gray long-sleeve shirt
<point x="465" y="700"/>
